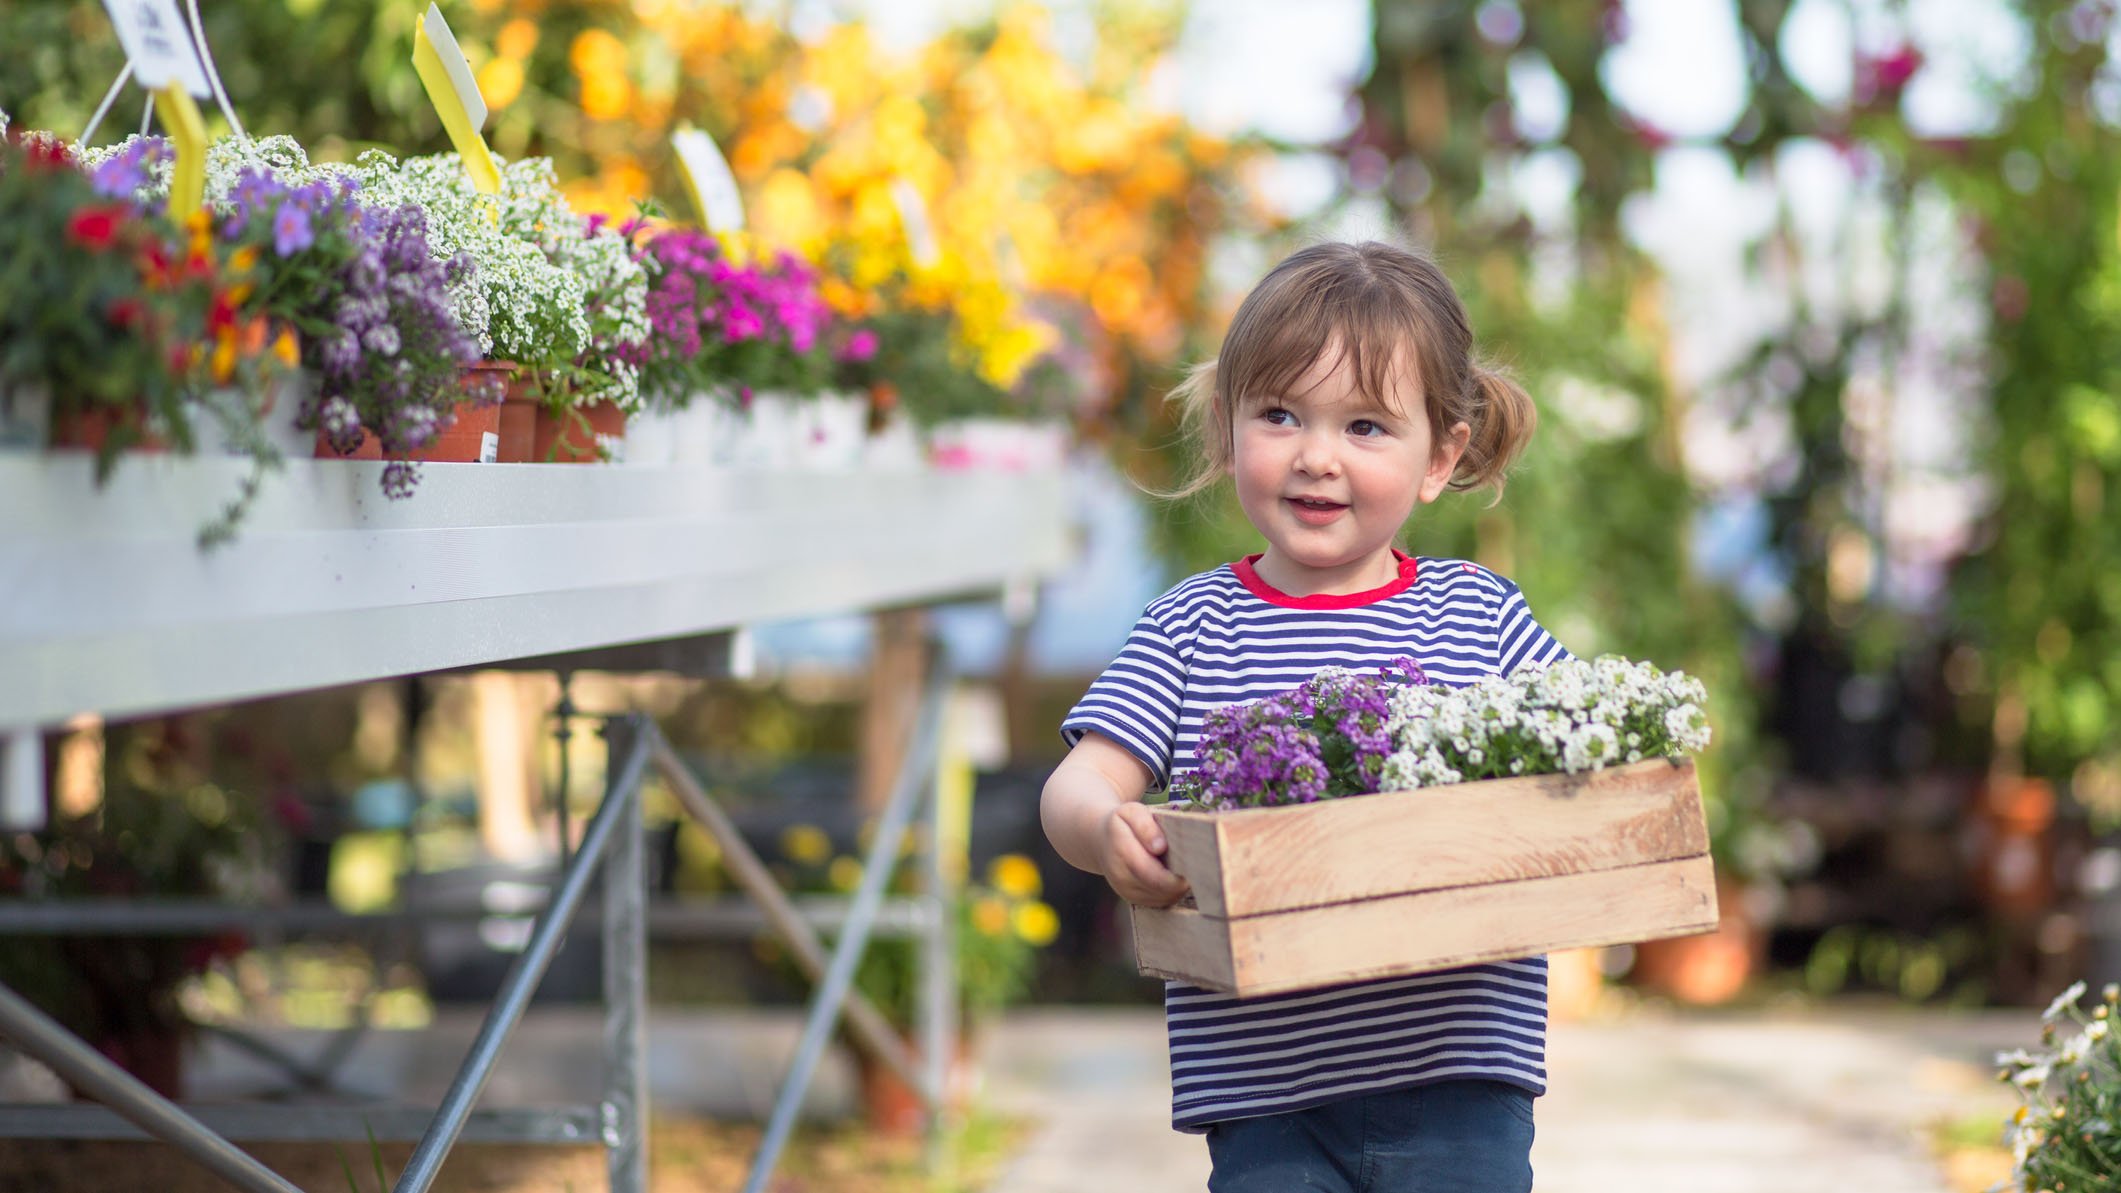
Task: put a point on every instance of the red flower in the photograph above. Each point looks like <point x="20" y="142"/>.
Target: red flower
<point x="95" y="227"/>
<point x="125" y="312"/>
<point x="221" y="314"/>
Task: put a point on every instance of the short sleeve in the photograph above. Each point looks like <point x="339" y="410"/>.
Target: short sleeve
<point x="1520" y="639"/>
<point x="1136" y="700"/>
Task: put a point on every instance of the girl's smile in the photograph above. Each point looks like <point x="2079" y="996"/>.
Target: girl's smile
<point x="1329" y="475"/>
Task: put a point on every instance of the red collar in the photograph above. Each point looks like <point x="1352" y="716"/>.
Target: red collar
<point x="1248" y="576"/>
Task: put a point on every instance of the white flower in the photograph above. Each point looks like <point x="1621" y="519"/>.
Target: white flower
<point x="2067" y="1000"/>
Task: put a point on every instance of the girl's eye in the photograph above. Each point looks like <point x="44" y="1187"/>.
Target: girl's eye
<point x="1276" y="416"/>
<point x="1364" y="426"/>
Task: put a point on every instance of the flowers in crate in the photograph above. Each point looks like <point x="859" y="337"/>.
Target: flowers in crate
<point x="1343" y="733"/>
<point x="1574" y="716"/>
<point x="1321" y="740"/>
<point x="2066" y="1133"/>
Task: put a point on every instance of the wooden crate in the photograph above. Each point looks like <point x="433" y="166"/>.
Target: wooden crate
<point x="1403" y="883"/>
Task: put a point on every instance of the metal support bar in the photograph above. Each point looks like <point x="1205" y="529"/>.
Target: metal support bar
<point x="93" y="1074"/>
<point x="514" y="995"/>
<point x="938" y="996"/>
<point x="913" y="783"/>
<point x="624" y="1110"/>
<point x="871" y="1030"/>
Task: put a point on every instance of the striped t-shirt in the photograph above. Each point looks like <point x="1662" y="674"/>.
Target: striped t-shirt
<point x="1225" y="637"/>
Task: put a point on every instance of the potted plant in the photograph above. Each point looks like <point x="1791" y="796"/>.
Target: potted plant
<point x="132" y="328"/>
<point x="748" y="333"/>
<point x="389" y="362"/>
<point x="527" y="313"/>
<point x="1000" y="925"/>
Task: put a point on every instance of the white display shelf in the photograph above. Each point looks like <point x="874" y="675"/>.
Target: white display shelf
<point x="108" y="605"/>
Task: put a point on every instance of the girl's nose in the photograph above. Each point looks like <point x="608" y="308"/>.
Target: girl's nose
<point x="1315" y="456"/>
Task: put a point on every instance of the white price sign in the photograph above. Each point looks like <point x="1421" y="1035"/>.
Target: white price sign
<point x="708" y="177"/>
<point x="158" y="43"/>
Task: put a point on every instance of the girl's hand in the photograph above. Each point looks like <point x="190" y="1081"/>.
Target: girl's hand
<point x="1131" y="849"/>
<point x="1093" y="814"/>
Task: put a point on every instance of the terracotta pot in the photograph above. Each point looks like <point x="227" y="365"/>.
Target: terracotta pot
<point x="1705" y="970"/>
<point x="574" y="436"/>
<point x="891" y="1107"/>
<point x="519" y="429"/>
<point x="462" y="439"/>
<point x="91" y="429"/>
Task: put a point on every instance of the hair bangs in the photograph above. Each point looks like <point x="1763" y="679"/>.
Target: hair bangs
<point x="1307" y="320"/>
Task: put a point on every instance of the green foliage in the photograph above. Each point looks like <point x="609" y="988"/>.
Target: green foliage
<point x="2040" y="598"/>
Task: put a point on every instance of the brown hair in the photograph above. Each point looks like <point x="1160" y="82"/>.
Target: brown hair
<point x="1374" y="301"/>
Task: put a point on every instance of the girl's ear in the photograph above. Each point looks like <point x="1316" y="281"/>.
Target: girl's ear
<point x="1443" y="461"/>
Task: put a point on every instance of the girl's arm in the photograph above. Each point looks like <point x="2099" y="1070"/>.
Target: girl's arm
<point x="1093" y="814"/>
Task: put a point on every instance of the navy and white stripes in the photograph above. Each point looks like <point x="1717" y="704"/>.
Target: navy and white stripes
<point x="1226" y="637"/>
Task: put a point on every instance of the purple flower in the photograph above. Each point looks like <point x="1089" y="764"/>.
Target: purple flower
<point x="291" y="230"/>
<point x="1323" y="739"/>
<point x="1409" y="671"/>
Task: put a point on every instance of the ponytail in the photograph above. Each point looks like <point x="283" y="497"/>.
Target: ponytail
<point x="1502" y="423"/>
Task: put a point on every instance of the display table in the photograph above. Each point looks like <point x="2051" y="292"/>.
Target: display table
<point x="107" y="605"/>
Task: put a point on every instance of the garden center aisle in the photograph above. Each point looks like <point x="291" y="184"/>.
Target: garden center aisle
<point x="1649" y="1101"/>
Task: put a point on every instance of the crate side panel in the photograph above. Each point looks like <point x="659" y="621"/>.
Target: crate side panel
<point x="1183" y="945"/>
<point x="1195" y="853"/>
<point x="1436" y="930"/>
<point x="1339" y="851"/>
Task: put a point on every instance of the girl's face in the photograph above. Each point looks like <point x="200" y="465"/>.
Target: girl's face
<point x="1329" y="477"/>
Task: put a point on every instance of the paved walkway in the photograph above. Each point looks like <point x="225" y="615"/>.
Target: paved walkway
<point x="1643" y="1099"/>
<point x="1648" y="1101"/>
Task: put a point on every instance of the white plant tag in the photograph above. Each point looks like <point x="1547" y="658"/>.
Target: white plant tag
<point x="159" y="44"/>
<point x="920" y="231"/>
<point x="489" y="447"/>
<point x="707" y="175"/>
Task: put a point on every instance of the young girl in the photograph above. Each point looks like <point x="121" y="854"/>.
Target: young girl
<point x="1345" y="395"/>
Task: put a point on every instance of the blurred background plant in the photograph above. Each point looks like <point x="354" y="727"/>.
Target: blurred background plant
<point x="166" y="827"/>
<point x="1002" y="923"/>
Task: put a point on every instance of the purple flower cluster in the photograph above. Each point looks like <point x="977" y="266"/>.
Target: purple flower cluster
<point x="716" y="322"/>
<point x="1322" y="740"/>
<point x="373" y="305"/>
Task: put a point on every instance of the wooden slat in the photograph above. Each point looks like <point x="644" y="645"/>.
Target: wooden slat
<point x="1426" y="931"/>
<point x="1268" y="860"/>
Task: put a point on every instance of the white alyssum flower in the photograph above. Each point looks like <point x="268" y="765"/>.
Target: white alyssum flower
<point x="1574" y="716"/>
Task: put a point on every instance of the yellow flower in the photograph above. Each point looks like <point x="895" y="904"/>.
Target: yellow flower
<point x="501" y="81"/>
<point x="806" y="844"/>
<point x="845" y="873"/>
<point x="244" y="259"/>
<point x="285" y="349"/>
<point x="516" y="39"/>
<point x="1036" y="924"/>
<point x="224" y="360"/>
<point x="1015" y="875"/>
<point x="990" y="916"/>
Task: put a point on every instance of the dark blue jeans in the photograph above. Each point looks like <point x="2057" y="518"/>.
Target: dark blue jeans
<point x="1450" y="1137"/>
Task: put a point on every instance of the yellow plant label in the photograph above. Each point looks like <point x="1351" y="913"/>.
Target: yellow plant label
<point x="708" y="181"/>
<point x="446" y="74"/>
<point x="187" y="136"/>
